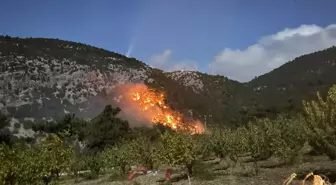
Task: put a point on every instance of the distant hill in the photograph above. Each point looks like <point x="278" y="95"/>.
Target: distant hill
<point x="44" y="79"/>
<point x="284" y="88"/>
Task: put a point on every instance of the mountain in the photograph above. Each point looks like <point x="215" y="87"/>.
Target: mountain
<point x="44" y="79"/>
<point x="284" y="88"/>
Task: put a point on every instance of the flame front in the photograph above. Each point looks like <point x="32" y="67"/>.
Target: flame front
<point x="152" y="103"/>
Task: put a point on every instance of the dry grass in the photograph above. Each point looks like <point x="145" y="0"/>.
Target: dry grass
<point x="239" y="175"/>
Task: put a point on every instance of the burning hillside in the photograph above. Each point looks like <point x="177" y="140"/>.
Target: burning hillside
<point x="150" y="104"/>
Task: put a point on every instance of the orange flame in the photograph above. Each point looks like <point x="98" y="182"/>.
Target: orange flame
<point x="152" y="103"/>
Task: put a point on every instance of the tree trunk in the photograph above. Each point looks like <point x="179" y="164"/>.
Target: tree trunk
<point x="189" y="169"/>
<point x="189" y="182"/>
<point x="123" y="170"/>
<point x="46" y="179"/>
<point x="256" y="167"/>
<point x="76" y="176"/>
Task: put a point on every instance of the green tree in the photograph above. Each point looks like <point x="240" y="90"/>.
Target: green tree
<point x="71" y="124"/>
<point x="289" y="138"/>
<point x="260" y="139"/>
<point x="4" y="122"/>
<point x="10" y="158"/>
<point x="143" y="150"/>
<point x="257" y="141"/>
<point x="77" y="164"/>
<point x="320" y="123"/>
<point x="106" y="129"/>
<point x="177" y="149"/>
<point x="282" y="137"/>
<point x="228" y="143"/>
<point x="54" y="156"/>
<point x="119" y="156"/>
<point x="94" y="162"/>
<point x="20" y="165"/>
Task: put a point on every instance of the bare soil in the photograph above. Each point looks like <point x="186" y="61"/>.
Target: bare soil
<point x="270" y="172"/>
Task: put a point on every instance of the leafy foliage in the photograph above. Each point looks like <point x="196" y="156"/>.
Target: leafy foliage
<point x="119" y="156"/>
<point x="282" y="137"/>
<point x="77" y="164"/>
<point x="177" y="149"/>
<point x="228" y="143"/>
<point x="290" y="138"/>
<point x="70" y="123"/>
<point x="4" y="122"/>
<point x="106" y="129"/>
<point x="12" y="161"/>
<point x="119" y="146"/>
<point x="144" y="152"/>
<point x="320" y="122"/>
<point x="94" y="162"/>
<point x="55" y="155"/>
<point x="30" y="165"/>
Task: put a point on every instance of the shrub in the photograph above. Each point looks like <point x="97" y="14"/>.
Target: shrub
<point x="15" y="131"/>
<point x="119" y="156"/>
<point x="55" y="157"/>
<point x="27" y="125"/>
<point x="94" y="163"/>
<point x="4" y="120"/>
<point x="17" y="125"/>
<point x="228" y="143"/>
<point x="320" y="123"/>
<point x="290" y="138"/>
<point x="177" y="149"/>
<point x="282" y="137"/>
<point x="23" y="165"/>
<point x="203" y="171"/>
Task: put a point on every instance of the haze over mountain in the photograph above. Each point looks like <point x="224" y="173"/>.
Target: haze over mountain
<point x="237" y="39"/>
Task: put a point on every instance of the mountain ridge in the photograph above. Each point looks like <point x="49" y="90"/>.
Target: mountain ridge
<point x="44" y="79"/>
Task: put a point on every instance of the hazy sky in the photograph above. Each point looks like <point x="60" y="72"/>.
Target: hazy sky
<point x="240" y="39"/>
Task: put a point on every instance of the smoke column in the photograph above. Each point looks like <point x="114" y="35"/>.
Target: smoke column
<point x="130" y="48"/>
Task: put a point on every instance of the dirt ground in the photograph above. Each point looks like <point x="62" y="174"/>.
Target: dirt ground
<point x="270" y="173"/>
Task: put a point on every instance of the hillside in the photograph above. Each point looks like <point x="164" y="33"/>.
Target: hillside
<point x="44" y="79"/>
<point x="284" y="88"/>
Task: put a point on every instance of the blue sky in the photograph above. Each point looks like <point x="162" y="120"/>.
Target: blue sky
<point x="215" y="36"/>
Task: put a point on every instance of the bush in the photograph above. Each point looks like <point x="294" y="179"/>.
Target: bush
<point x="17" y="125"/>
<point x="15" y="131"/>
<point x="4" y="120"/>
<point x="92" y="175"/>
<point x="203" y="172"/>
<point x="290" y="138"/>
<point x="282" y="137"/>
<point x="177" y="149"/>
<point x="94" y="163"/>
<point x="23" y="165"/>
<point x="27" y="125"/>
<point x="228" y="143"/>
<point x="320" y="123"/>
<point x="119" y="156"/>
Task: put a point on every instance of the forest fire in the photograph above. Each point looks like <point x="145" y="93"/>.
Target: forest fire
<point x="152" y="104"/>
